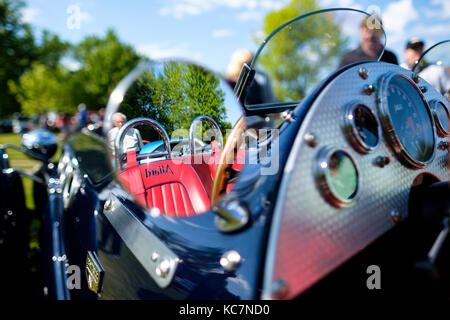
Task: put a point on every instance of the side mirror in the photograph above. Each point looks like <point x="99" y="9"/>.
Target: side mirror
<point x="40" y="141"/>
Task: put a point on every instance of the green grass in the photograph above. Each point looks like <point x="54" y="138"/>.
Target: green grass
<point x="20" y="160"/>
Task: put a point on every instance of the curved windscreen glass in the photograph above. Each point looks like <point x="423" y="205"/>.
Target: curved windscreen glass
<point x="295" y="57"/>
<point x="434" y="67"/>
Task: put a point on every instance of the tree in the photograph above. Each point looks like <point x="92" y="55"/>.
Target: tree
<point x="52" y="49"/>
<point x="174" y="96"/>
<point x="17" y="52"/>
<point x="104" y="62"/>
<point x="296" y="57"/>
<point x="43" y="88"/>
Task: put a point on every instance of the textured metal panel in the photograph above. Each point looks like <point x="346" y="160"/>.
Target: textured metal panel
<point x="309" y="238"/>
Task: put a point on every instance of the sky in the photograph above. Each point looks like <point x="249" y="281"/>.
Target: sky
<point x="208" y="31"/>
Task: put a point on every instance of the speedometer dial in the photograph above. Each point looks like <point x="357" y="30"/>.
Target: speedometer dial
<point x="407" y="120"/>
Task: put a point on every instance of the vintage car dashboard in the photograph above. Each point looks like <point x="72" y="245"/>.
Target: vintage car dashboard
<point x="369" y="134"/>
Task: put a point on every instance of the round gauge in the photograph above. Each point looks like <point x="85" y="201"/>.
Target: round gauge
<point x="441" y="117"/>
<point x="337" y="177"/>
<point x="407" y="120"/>
<point x="362" y="127"/>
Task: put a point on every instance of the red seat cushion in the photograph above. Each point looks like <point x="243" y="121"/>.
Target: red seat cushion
<point x="172" y="186"/>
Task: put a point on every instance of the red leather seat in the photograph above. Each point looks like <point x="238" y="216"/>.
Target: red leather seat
<point x="171" y="186"/>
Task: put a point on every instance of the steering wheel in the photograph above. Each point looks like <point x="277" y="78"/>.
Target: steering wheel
<point x="132" y="123"/>
<point x="224" y="170"/>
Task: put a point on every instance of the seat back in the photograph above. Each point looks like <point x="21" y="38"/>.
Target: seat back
<point x="171" y="186"/>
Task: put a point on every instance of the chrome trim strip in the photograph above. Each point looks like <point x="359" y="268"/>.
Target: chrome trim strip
<point x="142" y="243"/>
<point x="267" y="289"/>
<point x="24" y="173"/>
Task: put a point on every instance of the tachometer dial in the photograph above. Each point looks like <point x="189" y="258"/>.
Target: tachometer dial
<point x="407" y="120"/>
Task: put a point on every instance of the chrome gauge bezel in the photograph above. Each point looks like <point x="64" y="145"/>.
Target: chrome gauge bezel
<point x="388" y="127"/>
<point x="322" y="183"/>
<point x="439" y="127"/>
<point x="351" y="132"/>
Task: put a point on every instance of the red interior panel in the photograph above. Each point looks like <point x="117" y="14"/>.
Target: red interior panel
<point x="172" y="186"/>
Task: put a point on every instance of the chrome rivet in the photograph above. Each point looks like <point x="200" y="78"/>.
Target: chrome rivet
<point x="287" y="116"/>
<point x="311" y="139"/>
<point x="230" y="260"/>
<point x="10" y="213"/>
<point x="155" y="212"/>
<point x="279" y="289"/>
<point x="52" y="190"/>
<point x="163" y="268"/>
<point x="382" y="161"/>
<point x="54" y="258"/>
<point x="5" y="156"/>
<point x="423" y="89"/>
<point x="443" y="145"/>
<point x="45" y="289"/>
<point x="50" y="166"/>
<point x="51" y="180"/>
<point x="108" y="204"/>
<point x="369" y="89"/>
<point x="363" y="73"/>
<point x="395" y="215"/>
<point x="155" y="256"/>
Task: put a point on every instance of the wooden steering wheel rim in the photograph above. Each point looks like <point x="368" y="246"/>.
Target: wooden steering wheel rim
<point x="222" y="176"/>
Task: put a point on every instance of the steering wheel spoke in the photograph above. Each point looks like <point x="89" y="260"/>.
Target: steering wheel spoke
<point x="225" y="174"/>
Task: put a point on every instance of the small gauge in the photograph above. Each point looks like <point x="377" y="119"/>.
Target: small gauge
<point x="337" y="177"/>
<point x="362" y="127"/>
<point x="441" y="117"/>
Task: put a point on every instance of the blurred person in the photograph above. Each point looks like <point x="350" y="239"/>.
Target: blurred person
<point x="59" y="123"/>
<point x="439" y="77"/>
<point x="81" y="116"/>
<point x="370" y="46"/>
<point x="132" y="140"/>
<point x="43" y="121"/>
<point x="413" y="51"/>
<point x="260" y="90"/>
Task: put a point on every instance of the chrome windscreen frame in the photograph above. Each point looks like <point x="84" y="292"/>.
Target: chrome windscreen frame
<point x="388" y="127"/>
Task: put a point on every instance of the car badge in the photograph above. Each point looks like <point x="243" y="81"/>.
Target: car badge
<point x="94" y="272"/>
